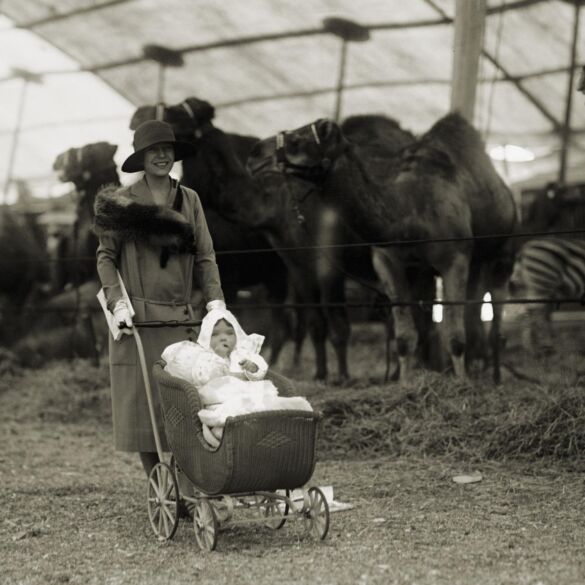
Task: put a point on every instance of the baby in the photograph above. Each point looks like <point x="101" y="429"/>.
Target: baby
<point x="227" y="369"/>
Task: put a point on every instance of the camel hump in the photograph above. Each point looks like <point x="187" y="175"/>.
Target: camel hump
<point x="456" y="134"/>
<point x="376" y="130"/>
<point x="369" y="122"/>
<point x="426" y="157"/>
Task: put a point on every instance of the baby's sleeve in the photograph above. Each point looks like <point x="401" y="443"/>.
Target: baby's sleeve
<point x="262" y="367"/>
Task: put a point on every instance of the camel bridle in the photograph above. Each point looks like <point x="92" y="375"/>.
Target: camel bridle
<point x="314" y="172"/>
<point x="201" y="128"/>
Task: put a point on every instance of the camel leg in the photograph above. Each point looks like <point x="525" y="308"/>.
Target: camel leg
<point x="333" y="291"/>
<point x="332" y="286"/>
<point x="316" y="324"/>
<point x="390" y="271"/>
<point x="299" y="333"/>
<point x="318" y="332"/>
<point x="339" y="331"/>
<point x="455" y="287"/>
<point x="475" y="341"/>
<point x="499" y="293"/>
<point x="279" y="326"/>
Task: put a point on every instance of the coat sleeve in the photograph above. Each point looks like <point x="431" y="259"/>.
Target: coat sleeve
<point x="108" y="253"/>
<point x="206" y="271"/>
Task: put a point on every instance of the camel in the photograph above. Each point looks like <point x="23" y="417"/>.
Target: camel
<point x="442" y="186"/>
<point x="24" y="272"/>
<point x="89" y="168"/>
<point x="288" y="220"/>
<point x="241" y="270"/>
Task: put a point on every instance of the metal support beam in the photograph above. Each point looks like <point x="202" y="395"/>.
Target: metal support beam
<point x="27" y="78"/>
<point x="566" y="130"/>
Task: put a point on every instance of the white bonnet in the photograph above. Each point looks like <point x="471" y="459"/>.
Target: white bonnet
<point x="252" y="343"/>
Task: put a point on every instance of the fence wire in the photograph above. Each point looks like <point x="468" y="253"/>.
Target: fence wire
<point x="308" y="247"/>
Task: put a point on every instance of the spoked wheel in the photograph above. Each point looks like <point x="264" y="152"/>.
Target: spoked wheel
<point x="205" y="524"/>
<point x="317" y="514"/>
<point x="276" y="511"/>
<point x="163" y="501"/>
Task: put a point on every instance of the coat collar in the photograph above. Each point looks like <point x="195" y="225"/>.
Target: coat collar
<point x="141" y="191"/>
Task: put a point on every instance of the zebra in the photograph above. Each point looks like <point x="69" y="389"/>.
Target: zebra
<point x="547" y="268"/>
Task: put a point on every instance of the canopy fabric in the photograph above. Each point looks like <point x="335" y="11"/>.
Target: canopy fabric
<point x="269" y="65"/>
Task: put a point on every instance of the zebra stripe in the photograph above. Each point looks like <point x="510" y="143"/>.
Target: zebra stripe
<point x="552" y="268"/>
<point x="548" y="268"/>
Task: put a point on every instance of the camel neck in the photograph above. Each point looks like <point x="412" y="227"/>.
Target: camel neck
<point x="367" y="205"/>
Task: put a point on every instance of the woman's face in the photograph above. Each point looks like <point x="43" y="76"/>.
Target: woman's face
<point x="223" y="338"/>
<point x="159" y="159"/>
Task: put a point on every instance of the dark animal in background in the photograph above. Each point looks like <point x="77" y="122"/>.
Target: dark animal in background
<point x="210" y="177"/>
<point x="547" y="268"/>
<point x="67" y="325"/>
<point x="23" y="273"/>
<point x="442" y="186"/>
<point x="89" y="168"/>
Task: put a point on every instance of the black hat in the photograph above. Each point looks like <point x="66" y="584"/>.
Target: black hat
<point x="147" y="135"/>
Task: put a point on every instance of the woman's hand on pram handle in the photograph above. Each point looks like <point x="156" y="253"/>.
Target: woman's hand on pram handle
<point x="123" y="317"/>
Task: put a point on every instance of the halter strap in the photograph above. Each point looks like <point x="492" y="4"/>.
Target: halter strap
<point x="315" y="135"/>
<point x="188" y="109"/>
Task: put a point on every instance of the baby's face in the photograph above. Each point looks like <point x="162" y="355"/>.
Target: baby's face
<point x="223" y="338"/>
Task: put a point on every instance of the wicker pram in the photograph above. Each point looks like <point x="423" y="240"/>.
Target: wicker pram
<point x="260" y="459"/>
<point x="261" y="451"/>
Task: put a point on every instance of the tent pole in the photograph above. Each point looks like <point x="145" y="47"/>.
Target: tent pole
<point x="340" y="80"/>
<point x="566" y="129"/>
<point x="161" y="83"/>
<point x="467" y="46"/>
<point x="15" y="137"/>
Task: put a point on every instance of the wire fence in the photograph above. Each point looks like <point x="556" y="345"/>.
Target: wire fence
<point x="376" y="304"/>
<point x="348" y="245"/>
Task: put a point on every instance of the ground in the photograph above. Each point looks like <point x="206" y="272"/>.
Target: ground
<point x="74" y="510"/>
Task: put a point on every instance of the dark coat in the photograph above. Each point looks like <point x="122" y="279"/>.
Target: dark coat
<point x="156" y="292"/>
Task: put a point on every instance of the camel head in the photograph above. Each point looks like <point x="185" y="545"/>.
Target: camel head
<point x="307" y="152"/>
<point x="188" y="118"/>
<point x="80" y="165"/>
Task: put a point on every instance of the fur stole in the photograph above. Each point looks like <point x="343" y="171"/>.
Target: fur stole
<point x="119" y="216"/>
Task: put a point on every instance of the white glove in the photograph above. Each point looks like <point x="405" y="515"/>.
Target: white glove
<point x="217" y="304"/>
<point x="122" y="317"/>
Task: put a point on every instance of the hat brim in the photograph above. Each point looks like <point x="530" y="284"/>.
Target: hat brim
<point x="135" y="162"/>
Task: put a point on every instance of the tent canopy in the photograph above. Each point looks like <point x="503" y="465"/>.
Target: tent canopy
<point x="270" y="65"/>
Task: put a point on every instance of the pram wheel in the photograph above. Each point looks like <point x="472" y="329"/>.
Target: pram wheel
<point x="276" y="511"/>
<point x="317" y="514"/>
<point x="205" y="524"/>
<point x="163" y="501"/>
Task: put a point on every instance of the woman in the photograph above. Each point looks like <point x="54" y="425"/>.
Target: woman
<point x="154" y="234"/>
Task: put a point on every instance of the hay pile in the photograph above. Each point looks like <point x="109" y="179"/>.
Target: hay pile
<point x="435" y="415"/>
<point x="69" y="392"/>
<point x="438" y="415"/>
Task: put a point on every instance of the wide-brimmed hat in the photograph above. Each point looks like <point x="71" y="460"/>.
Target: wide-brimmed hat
<point x="147" y="135"/>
